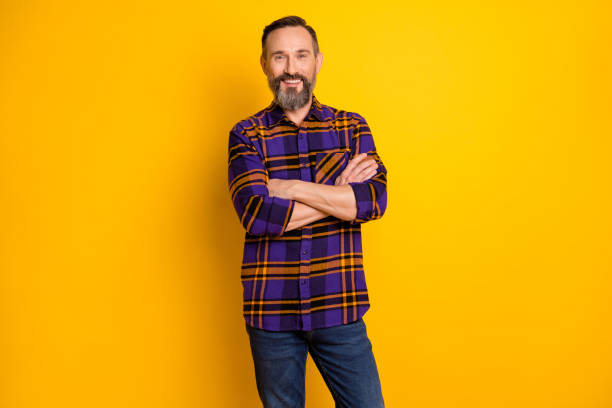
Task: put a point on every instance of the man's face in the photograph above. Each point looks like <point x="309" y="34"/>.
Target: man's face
<point x="291" y="66"/>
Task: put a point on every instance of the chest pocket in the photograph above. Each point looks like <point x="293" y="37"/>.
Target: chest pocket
<point x="329" y="165"/>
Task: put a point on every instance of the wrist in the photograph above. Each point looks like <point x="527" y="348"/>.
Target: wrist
<point x="294" y="189"/>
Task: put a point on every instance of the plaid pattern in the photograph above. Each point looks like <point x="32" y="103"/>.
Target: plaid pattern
<point x="310" y="277"/>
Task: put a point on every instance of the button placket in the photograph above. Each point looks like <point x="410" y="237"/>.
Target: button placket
<point x="306" y="241"/>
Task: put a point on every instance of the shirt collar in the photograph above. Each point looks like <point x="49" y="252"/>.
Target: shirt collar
<point x="317" y="109"/>
<point x="276" y="112"/>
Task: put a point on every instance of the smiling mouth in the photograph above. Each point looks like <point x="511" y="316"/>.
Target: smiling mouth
<point x="291" y="82"/>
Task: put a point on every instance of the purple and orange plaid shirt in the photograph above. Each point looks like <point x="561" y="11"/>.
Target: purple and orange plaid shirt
<point x="310" y="277"/>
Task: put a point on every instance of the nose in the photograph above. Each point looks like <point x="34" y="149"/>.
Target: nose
<point x="290" y="67"/>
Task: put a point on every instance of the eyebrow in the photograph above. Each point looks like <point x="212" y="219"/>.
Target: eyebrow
<point x="282" y="52"/>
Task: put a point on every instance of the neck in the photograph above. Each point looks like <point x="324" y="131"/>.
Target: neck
<point x="298" y="115"/>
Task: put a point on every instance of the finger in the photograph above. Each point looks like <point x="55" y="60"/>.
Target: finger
<point x="350" y="167"/>
<point x="367" y="174"/>
<point x="355" y="161"/>
<point x="365" y="165"/>
<point x="371" y="174"/>
<point x="356" y="164"/>
<point x="340" y="179"/>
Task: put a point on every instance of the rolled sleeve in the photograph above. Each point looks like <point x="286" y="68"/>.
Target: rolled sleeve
<point x="370" y="195"/>
<point x="259" y="213"/>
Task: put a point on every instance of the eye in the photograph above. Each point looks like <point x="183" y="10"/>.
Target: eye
<point x="278" y="57"/>
<point x="302" y="56"/>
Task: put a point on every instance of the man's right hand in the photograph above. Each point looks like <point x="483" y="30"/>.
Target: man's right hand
<point x="359" y="169"/>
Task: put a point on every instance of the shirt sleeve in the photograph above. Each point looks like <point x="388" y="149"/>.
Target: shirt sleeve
<point x="259" y="213"/>
<point x="370" y="195"/>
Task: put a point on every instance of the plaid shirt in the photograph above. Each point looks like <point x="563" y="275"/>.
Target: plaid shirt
<point x="310" y="277"/>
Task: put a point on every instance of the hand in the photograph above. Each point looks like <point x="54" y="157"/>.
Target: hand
<point x="357" y="170"/>
<point x="281" y="187"/>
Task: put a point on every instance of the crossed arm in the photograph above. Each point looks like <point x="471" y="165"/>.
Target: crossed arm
<point x="316" y="201"/>
<point x="304" y="214"/>
<point x="269" y="206"/>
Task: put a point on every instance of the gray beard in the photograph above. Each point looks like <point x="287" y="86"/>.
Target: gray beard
<point x="291" y="99"/>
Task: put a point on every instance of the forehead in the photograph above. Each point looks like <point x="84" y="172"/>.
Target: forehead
<point x="289" y="39"/>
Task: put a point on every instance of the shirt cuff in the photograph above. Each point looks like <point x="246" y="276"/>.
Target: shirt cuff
<point x="363" y="200"/>
<point x="287" y="214"/>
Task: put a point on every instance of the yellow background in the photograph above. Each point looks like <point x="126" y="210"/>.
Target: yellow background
<point x="489" y="274"/>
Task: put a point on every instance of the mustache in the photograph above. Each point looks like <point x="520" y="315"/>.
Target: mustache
<point x="283" y="77"/>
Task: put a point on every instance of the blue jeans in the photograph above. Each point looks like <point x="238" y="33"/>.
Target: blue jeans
<point x="343" y="355"/>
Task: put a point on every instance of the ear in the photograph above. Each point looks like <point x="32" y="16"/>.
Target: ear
<point x="262" y="62"/>
<point x="318" y="61"/>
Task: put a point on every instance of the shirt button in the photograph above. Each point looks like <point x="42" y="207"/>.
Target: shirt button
<point x="304" y="252"/>
<point x="303" y="283"/>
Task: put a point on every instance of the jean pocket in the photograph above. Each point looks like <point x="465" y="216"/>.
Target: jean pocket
<point x="329" y="165"/>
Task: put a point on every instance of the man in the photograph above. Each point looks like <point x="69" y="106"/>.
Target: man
<point x="303" y="177"/>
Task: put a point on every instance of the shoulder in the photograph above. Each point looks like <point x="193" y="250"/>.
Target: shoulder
<point x="247" y="124"/>
<point x="248" y="130"/>
<point x="342" y="117"/>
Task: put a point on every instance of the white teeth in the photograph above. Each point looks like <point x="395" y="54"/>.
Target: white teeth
<point x="294" y="81"/>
